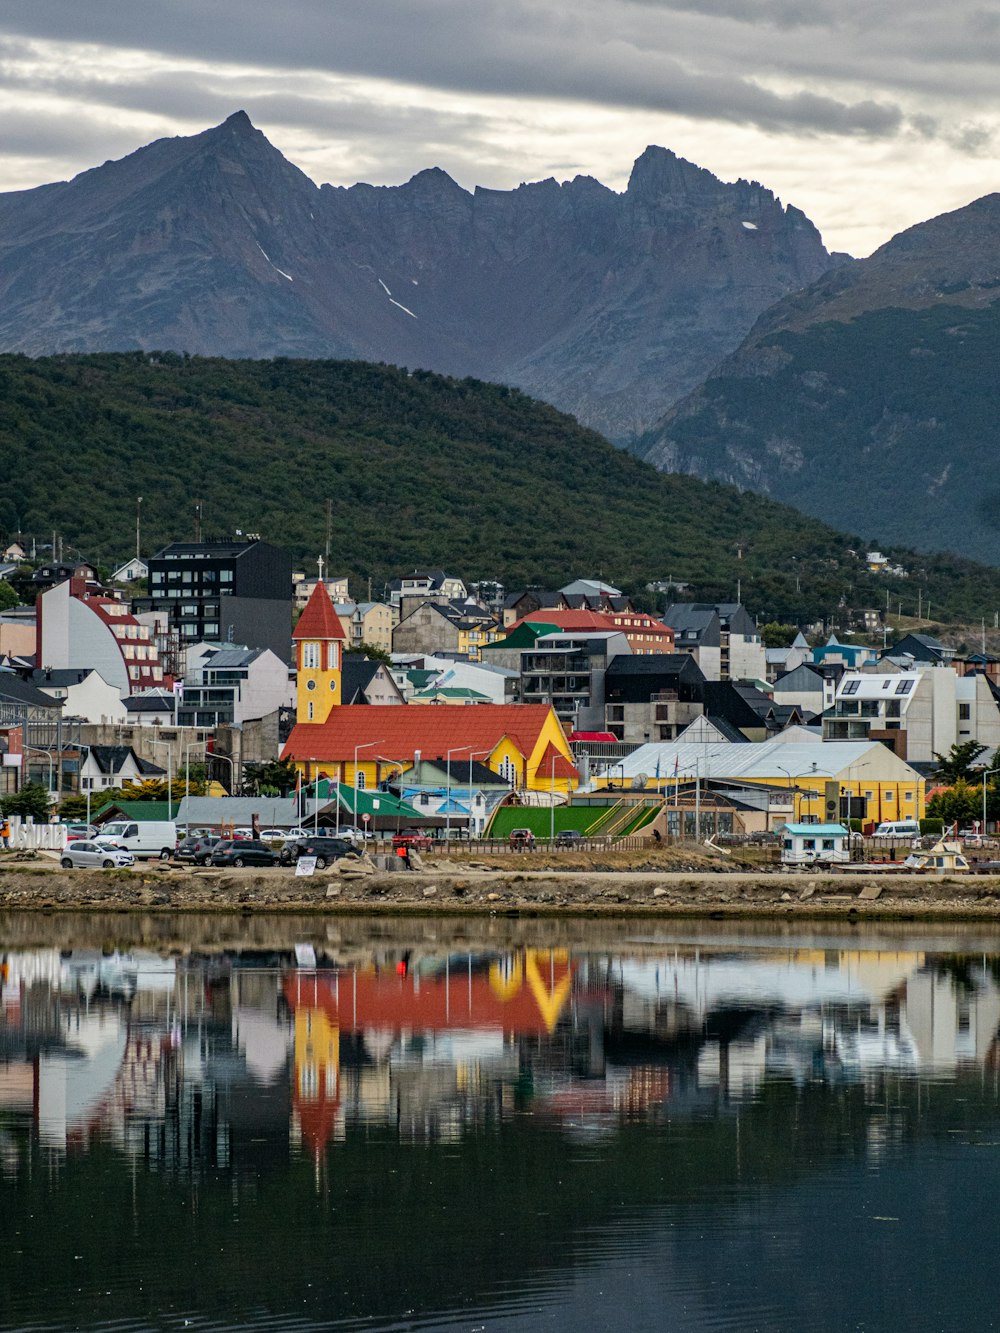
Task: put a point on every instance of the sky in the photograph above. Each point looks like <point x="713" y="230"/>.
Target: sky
<point x="870" y="115"/>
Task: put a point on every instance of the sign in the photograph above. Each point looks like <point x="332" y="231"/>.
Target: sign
<point x="366" y="819"/>
<point x="305" y="865"/>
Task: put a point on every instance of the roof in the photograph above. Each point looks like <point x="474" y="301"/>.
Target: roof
<point x="396" y="733"/>
<point x="230" y="658"/>
<point x="140" y="811"/>
<point x="451" y="692"/>
<point x="463" y="772"/>
<point x="762" y="760"/>
<point x="319" y="620"/>
<point x="727" y="730"/>
<point x="212" y="811"/>
<point x="605" y="737"/>
<point x="14" y="689"/>
<point x="60" y="675"/>
<point x="554" y="765"/>
<point x="113" y="758"/>
<point x="814" y="830"/>
<point x="209" y="550"/>
<point x="356" y="675"/>
<point x="149" y="703"/>
<point x="652" y="664"/>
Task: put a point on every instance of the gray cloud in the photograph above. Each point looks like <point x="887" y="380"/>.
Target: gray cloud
<point x="686" y="57"/>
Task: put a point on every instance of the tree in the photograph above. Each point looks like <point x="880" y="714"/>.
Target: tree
<point x="960" y="803"/>
<point x="959" y="763"/>
<point x="370" y="651"/>
<point x="775" y="635"/>
<point x="32" y="799"/>
<point x="277" y="778"/>
<point x="8" y="596"/>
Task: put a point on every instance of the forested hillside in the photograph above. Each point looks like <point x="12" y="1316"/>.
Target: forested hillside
<point x="421" y="471"/>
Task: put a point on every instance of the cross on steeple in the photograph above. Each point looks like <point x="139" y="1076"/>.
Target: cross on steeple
<point x="320" y="562"/>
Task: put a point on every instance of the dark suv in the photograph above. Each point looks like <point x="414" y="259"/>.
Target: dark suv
<point x="569" y="837"/>
<point x="197" y="850"/>
<point x="325" y="850"/>
<point x="244" y="852"/>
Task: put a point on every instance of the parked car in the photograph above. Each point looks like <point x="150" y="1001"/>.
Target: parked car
<point x="197" y="850"/>
<point x="84" y="853"/>
<point x="146" y="839"/>
<point x="242" y="852"/>
<point x="325" y="849"/>
<point x="569" y="837"/>
<point x="522" y="838"/>
<point x="357" y="834"/>
<point x="413" y="838"/>
<point x="76" y="831"/>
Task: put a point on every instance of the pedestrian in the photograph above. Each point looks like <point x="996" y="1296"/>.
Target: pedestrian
<point x="5" y="832"/>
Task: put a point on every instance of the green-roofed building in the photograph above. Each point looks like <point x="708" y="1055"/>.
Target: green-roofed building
<point x="507" y="652"/>
<point x="141" y="811"/>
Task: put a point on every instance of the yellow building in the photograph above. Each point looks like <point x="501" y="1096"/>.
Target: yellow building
<point x="319" y="657"/>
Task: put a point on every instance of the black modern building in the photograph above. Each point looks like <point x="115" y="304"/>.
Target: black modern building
<point x="236" y="591"/>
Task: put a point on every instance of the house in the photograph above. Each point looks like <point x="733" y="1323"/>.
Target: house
<point x="919" y="711"/>
<point x="922" y="648"/>
<point x="448" y="694"/>
<point x="236" y="591"/>
<point x="30" y="723"/>
<point x="457" y="629"/>
<point x="568" y="672"/>
<point x="15" y="552"/>
<point x="848" y="656"/>
<point x="721" y="637"/>
<point x="358" y="745"/>
<point x="47" y="576"/>
<point x="590" y="588"/>
<point x="809" y="844"/>
<point x="79" y="626"/>
<point x="231" y="685"/>
<point x="365" y="681"/>
<point x="131" y="571"/>
<point x="423" y="585"/>
<point x="782" y="660"/>
<point x="371" y="626"/>
<point x="464" y="790"/>
<point x="877" y="782"/>
<point x="645" y="634"/>
<point x="811" y="689"/>
<point x="651" y="697"/>
<point x="303" y="589"/>
<point x="86" y="693"/>
<point x="105" y="766"/>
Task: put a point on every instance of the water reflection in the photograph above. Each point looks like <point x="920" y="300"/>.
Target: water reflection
<point x="532" y="1110"/>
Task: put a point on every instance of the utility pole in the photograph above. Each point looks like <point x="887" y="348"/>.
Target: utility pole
<point x="197" y="521"/>
<point x="329" y="530"/>
<point x="138" y="523"/>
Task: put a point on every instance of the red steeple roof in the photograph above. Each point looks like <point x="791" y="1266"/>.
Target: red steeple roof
<point x="319" y="620"/>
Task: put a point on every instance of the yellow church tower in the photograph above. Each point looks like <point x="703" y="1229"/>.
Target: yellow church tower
<point x="319" y="657"/>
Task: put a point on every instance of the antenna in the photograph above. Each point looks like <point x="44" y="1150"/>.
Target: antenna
<point x="329" y="529"/>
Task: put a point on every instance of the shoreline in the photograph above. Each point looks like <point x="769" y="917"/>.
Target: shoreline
<point x="507" y="891"/>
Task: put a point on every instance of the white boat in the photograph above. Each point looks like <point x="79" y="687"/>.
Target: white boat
<point x="944" y="858"/>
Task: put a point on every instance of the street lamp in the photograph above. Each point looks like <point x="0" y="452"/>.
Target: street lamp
<point x="456" y="749"/>
<point x="48" y="755"/>
<point x="357" y="749"/>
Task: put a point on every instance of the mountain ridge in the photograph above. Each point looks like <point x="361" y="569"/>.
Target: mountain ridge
<point x="609" y="304"/>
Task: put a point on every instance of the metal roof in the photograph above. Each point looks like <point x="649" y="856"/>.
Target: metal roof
<point x="761" y="760"/>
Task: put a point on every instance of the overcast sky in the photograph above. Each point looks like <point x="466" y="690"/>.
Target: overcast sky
<point x="868" y="114"/>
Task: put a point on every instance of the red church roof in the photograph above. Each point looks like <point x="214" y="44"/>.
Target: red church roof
<point x="319" y="620"/>
<point x="561" y="768"/>
<point x="396" y="733"/>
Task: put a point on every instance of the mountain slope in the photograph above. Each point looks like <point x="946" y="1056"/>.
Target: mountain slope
<point x="871" y="398"/>
<point x="608" y="305"/>
<point x="421" y="471"/>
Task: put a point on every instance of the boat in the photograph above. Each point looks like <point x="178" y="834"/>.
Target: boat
<point x="944" y="858"/>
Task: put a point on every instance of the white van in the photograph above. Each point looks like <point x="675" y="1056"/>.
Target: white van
<point x="145" y="839"/>
<point x="898" y="828"/>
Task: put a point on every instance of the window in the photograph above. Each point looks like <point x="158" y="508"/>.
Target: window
<point x="964" y="712"/>
<point x="332" y="656"/>
<point x="904" y="687"/>
<point x="359" y="779"/>
<point x="809" y="844"/>
<point x="908" y="796"/>
<point x="851" y="687"/>
<point x="310" y="711"/>
<point x="310" y="657"/>
<point x="828" y="845"/>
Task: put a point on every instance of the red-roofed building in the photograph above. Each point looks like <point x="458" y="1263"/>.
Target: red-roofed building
<point x="645" y="634"/>
<point x="78" y="626"/>
<point x="364" y="745"/>
<point x="320" y="641"/>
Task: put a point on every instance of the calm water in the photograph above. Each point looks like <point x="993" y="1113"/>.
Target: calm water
<point x="497" y="1126"/>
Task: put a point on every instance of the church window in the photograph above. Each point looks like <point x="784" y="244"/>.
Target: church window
<point x="310" y="656"/>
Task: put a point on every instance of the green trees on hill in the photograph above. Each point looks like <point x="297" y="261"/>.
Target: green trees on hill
<point x="419" y="470"/>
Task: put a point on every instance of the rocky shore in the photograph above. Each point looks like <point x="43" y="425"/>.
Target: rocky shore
<point x="655" y="886"/>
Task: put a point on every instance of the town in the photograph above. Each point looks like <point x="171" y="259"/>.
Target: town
<point x="211" y="689"/>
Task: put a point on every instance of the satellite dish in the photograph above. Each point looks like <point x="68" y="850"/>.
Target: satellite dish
<point x="639" y="781"/>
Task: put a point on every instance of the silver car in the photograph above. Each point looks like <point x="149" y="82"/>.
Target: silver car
<point x="82" y="855"/>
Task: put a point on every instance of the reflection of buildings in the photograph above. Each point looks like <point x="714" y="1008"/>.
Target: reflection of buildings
<point x="203" y="1063"/>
